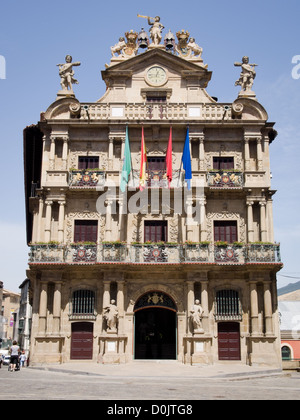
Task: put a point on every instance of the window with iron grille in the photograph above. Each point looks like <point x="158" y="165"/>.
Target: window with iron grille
<point x="228" y="306"/>
<point x="83" y="302"/>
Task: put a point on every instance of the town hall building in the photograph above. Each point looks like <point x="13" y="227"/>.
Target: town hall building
<point x="149" y="214"/>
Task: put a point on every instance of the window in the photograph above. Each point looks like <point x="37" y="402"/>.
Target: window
<point x="83" y="302"/>
<point x="225" y="231"/>
<point x="221" y="163"/>
<point x="227" y="306"/>
<point x="88" y="162"/>
<point x="160" y="99"/>
<point x="285" y="353"/>
<point x="85" y="231"/>
<point x="156" y="231"/>
<point x="156" y="163"/>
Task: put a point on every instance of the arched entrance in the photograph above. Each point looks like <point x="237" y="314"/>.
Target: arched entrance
<point x="155" y="327"/>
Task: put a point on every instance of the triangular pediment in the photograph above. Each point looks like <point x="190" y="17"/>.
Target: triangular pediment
<point x="131" y="73"/>
<point x="154" y="55"/>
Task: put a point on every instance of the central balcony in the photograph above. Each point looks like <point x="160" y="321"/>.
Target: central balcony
<point x="155" y="253"/>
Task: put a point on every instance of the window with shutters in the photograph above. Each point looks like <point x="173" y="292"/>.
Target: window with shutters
<point x="85" y="230"/>
<point x="225" y="231"/>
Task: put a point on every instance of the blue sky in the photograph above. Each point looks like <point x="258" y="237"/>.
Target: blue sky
<point x="36" y="35"/>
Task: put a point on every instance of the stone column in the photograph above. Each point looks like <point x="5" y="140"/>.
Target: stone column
<point x="189" y="219"/>
<point x="120" y="305"/>
<point x="203" y="226"/>
<point x="190" y="301"/>
<point x="39" y="221"/>
<point x="43" y="308"/>
<point x="57" y="308"/>
<point x="269" y="210"/>
<point x="250" y="221"/>
<point x="247" y="154"/>
<point x="110" y="152"/>
<point x="61" y="219"/>
<point x="48" y="220"/>
<point x="268" y="308"/>
<point x="254" y="309"/>
<point x="204" y="304"/>
<point x="65" y="153"/>
<point x="106" y="293"/>
<point x="108" y="229"/>
<point x="201" y="153"/>
<point x="259" y="154"/>
<point x="263" y="228"/>
<point x="52" y="153"/>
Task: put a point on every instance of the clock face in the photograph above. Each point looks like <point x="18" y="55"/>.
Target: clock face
<point x="156" y="76"/>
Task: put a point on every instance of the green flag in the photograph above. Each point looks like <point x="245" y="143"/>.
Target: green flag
<point x="126" y="164"/>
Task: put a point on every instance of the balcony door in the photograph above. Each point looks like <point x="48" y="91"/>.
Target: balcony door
<point x="155" y="231"/>
<point x="85" y="230"/>
<point x="225" y="231"/>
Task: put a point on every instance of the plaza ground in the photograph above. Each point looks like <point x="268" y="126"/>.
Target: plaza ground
<point x="148" y="381"/>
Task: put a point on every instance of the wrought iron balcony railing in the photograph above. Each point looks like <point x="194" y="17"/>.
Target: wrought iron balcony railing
<point x="152" y="253"/>
<point x="225" y="179"/>
<point x="86" y="178"/>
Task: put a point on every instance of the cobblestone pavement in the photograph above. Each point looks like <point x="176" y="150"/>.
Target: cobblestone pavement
<point x="47" y="384"/>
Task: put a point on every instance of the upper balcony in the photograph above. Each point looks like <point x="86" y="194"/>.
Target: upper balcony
<point x="155" y="253"/>
<point x="156" y="111"/>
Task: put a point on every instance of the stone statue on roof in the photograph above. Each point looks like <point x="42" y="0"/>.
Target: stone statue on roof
<point x="247" y="76"/>
<point x="66" y="74"/>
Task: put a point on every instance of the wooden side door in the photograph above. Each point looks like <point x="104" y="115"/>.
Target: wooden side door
<point x="82" y="341"/>
<point x="229" y="341"/>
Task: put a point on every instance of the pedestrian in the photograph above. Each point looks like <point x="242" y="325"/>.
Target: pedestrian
<point x="1" y="360"/>
<point x="23" y="359"/>
<point x="14" y="356"/>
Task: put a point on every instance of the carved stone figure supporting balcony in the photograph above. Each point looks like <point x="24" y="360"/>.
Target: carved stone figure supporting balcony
<point x="225" y="179"/>
<point x="86" y="178"/>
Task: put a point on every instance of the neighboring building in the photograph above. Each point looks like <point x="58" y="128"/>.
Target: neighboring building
<point x="164" y="272"/>
<point x="10" y="313"/>
<point x="289" y="312"/>
<point x="1" y="313"/>
<point x="25" y="316"/>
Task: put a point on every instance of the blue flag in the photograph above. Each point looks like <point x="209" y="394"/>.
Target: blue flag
<point x="186" y="160"/>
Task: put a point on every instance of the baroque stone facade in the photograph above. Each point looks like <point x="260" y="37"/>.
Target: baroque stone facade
<point x="164" y="272"/>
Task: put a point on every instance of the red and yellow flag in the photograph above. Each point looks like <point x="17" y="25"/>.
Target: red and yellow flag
<point x="144" y="163"/>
